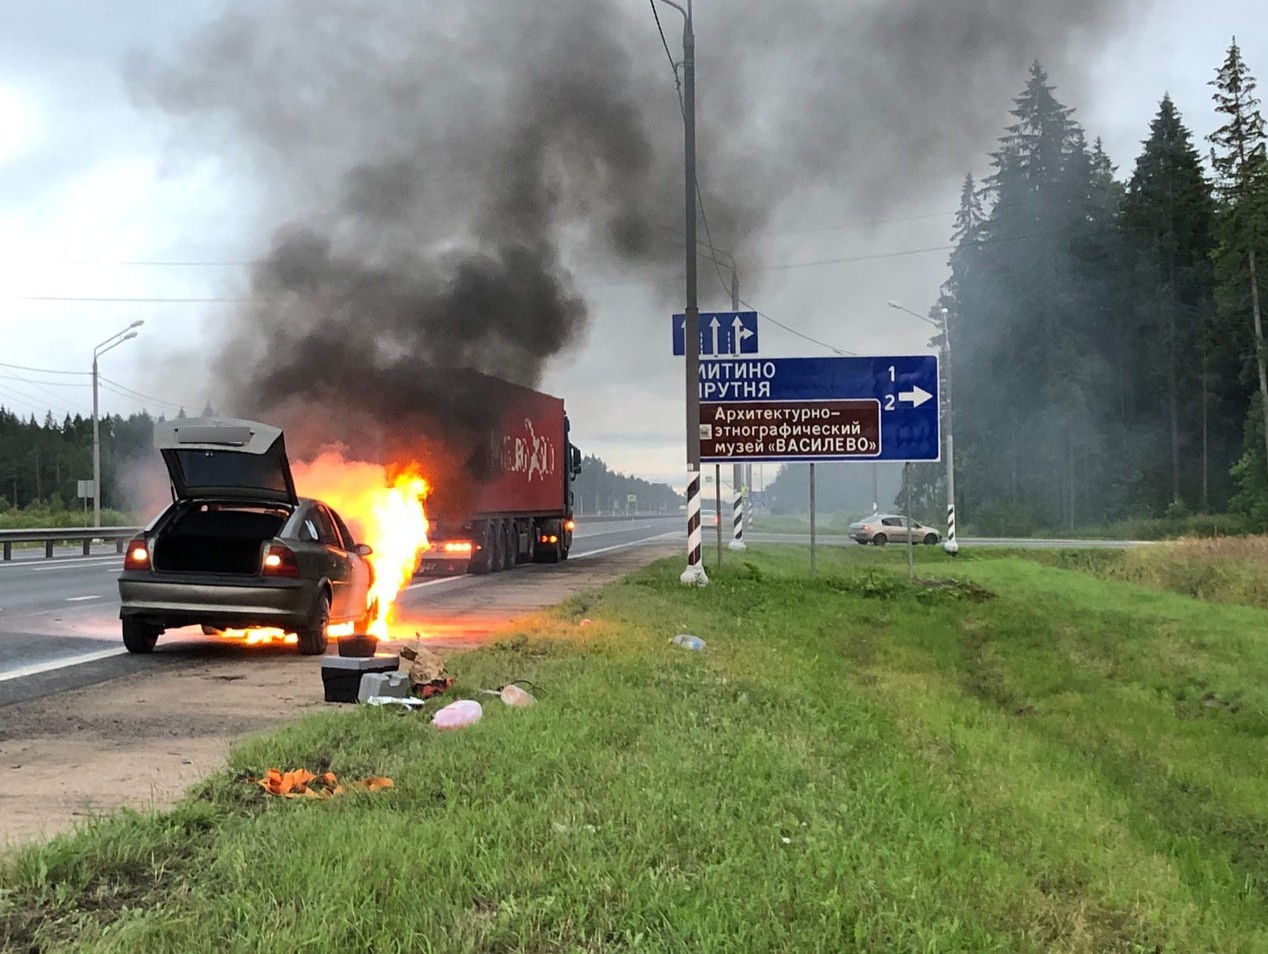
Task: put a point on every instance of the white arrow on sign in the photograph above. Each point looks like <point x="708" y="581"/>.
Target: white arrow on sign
<point x="715" y="325"/>
<point x="740" y="334"/>
<point x="917" y="396"/>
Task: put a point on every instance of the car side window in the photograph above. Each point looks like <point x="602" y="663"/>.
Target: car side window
<point x="349" y="540"/>
<point x="327" y="535"/>
<point x="890" y="522"/>
<point x="308" y="529"/>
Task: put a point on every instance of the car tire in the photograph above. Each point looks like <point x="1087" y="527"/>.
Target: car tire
<point x="139" y="637"/>
<point x="312" y="638"/>
<point x="931" y="539"/>
<point x="880" y="539"/>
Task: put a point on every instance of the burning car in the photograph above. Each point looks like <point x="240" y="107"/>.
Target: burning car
<point x="238" y="547"/>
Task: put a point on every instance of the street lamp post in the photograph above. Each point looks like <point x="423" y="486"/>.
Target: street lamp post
<point x="951" y="545"/>
<point x="112" y="342"/>
<point x="694" y="574"/>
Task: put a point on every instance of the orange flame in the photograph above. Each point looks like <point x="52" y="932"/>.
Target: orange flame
<point x="383" y="508"/>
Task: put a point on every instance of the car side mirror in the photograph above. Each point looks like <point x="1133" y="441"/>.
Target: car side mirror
<point x="364" y="549"/>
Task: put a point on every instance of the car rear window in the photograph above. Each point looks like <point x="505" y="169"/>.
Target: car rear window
<point x="204" y="468"/>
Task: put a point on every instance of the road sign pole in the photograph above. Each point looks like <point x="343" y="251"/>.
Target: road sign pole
<point x="911" y="547"/>
<point x="717" y="506"/>
<point x="812" y="518"/>
<point x="694" y="574"/>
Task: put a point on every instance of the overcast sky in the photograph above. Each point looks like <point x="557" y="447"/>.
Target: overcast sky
<point x="103" y="196"/>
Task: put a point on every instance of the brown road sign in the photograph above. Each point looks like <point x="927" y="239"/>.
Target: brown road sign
<point x="790" y="430"/>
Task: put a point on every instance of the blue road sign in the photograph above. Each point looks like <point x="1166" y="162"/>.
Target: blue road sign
<point x="780" y="409"/>
<point x="721" y="333"/>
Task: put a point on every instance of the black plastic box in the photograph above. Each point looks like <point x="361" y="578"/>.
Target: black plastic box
<point x="341" y="675"/>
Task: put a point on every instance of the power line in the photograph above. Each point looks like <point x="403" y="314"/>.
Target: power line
<point x="40" y="387"/>
<point x="860" y="224"/>
<point x="131" y="301"/>
<point x="22" y="367"/>
<point x="124" y="389"/>
<point x="823" y="344"/>
<point x="682" y="107"/>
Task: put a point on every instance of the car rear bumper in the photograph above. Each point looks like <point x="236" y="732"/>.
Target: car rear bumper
<point x="183" y="599"/>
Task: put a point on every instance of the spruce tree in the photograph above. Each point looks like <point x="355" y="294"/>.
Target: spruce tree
<point x="1167" y="220"/>
<point x="1241" y="168"/>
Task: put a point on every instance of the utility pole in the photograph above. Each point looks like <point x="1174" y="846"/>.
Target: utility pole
<point x="738" y="490"/>
<point x="694" y="574"/>
<point x="951" y="545"/>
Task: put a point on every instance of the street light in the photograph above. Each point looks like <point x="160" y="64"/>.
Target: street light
<point x="113" y="341"/>
<point x="694" y="574"/>
<point x="950" y="545"/>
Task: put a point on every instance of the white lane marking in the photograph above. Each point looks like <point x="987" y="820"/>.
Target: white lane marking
<point x="37" y="668"/>
<point x="80" y="565"/>
<point x="79" y="599"/>
<point x="624" y="546"/>
<point x="419" y="586"/>
<point x="605" y="533"/>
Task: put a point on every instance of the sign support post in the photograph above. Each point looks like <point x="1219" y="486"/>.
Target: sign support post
<point x="812" y="518"/>
<point x="911" y="546"/>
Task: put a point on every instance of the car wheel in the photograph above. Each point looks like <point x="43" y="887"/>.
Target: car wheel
<point x="931" y="539"/>
<point x="880" y="539"/>
<point x="313" y="638"/>
<point x="139" y="637"/>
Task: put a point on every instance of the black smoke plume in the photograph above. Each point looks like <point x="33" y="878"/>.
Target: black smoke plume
<point x="429" y="175"/>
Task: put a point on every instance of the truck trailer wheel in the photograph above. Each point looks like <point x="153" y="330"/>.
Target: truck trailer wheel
<point x="484" y="561"/>
<point x="510" y="545"/>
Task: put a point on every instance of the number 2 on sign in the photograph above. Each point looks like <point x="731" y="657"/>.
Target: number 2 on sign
<point x="889" y="402"/>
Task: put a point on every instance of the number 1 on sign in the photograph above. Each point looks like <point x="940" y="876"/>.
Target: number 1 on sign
<point x="891" y="374"/>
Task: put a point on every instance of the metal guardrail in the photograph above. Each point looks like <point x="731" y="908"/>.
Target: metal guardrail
<point x="49" y="537"/>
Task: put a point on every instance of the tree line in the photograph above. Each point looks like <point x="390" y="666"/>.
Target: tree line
<point x="1108" y="356"/>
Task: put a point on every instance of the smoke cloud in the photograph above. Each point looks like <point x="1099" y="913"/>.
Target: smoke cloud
<point x="430" y="176"/>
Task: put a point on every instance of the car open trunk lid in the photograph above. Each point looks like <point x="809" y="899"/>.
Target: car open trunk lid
<point x="226" y="458"/>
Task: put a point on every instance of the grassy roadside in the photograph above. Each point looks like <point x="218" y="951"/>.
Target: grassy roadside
<point x="1032" y="760"/>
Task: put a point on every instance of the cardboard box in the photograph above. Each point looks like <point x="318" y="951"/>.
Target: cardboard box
<point x="341" y="675"/>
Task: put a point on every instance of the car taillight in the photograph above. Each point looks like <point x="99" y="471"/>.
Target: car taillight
<point x="280" y="561"/>
<point x="866" y="528"/>
<point x="570" y="525"/>
<point x="138" y="556"/>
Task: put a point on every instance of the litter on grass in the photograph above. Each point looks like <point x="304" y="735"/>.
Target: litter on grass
<point x="458" y="715"/>
<point x="301" y="783"/>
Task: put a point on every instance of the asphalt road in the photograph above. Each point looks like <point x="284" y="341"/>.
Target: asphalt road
<point x="59" y="618"/>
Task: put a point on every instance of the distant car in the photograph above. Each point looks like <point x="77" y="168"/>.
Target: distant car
<point x="883" y="528"/>
<point x="238" y="547"/>
<point x="708" y="513"/>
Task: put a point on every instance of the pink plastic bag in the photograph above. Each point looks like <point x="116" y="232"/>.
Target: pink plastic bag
<point x="458" y="715"/>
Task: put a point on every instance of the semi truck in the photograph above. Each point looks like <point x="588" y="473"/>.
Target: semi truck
<point x="513" y="503"/>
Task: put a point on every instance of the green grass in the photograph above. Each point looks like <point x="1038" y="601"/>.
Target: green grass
<point x="1226" y="570"/>
<point x="1031" y="759"/>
